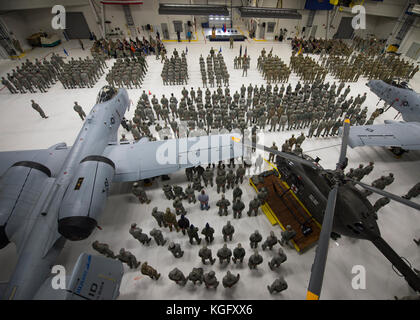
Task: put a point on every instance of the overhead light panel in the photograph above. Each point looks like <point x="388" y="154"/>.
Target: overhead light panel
<point x="193" y="9"/>
<point x="254" y="12"/>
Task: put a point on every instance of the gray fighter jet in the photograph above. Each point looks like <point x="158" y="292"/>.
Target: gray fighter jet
<point x="399" y="136"/>
<point x="57" y="194"/>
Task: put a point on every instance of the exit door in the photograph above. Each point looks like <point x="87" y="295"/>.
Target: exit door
<point x="165" y="31"/>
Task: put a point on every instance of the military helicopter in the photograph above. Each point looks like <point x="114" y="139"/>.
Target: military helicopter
<point x="334" y="201"/>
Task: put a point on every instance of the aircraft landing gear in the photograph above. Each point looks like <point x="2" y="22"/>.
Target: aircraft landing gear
<point x="398" y="151"/>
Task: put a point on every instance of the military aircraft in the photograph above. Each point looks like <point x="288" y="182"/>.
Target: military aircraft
<point x="399" y="136"/>
<point x="333" y="200"/>
<point x="53" y="195"/>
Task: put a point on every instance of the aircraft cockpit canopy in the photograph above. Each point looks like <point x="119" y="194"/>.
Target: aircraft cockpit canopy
<point x="401" y="84"/>
<point x="106" y="94"/>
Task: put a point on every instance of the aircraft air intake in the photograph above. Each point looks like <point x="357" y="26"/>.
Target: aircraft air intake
<point x="85" y="198"/>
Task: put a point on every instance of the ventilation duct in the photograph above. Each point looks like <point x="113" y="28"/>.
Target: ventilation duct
<point x="193" y="9"/>
<point x="254" y="12"/>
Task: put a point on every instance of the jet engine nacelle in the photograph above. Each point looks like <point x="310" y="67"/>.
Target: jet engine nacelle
<point x="85" y="198"/>
<point x="20" y="189"/>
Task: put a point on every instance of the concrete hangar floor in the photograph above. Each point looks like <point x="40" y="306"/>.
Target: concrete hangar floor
<point x="22" y="128"/>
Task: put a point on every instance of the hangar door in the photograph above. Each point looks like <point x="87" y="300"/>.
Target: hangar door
<point x="345" y="29"/>
<point x="76" y="26"/>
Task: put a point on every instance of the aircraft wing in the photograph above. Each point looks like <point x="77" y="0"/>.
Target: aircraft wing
<point x="52" y="157"/>
<point x="146" y="159"/>
<point x="395" y="134"/>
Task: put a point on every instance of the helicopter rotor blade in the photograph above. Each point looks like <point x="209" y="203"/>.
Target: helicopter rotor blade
<point x="281" y="154"/>
<point x="388" y="195"/>
<point x="318" y="267"/>
<point x="342" y="162"/>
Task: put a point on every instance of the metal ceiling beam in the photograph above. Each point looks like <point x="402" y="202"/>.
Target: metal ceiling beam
<point x="252" y="12"/>
<point x="193" y="9"/>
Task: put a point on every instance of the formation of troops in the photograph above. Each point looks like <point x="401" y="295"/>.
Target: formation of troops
<point x="216" y="69"/>
<point x="128" y="72"/>
<point x="273" y="69"/>
<point x="307" y="68"/>
<point x="175" y="69"/>
<point x="32" y="76"/>
<point x="177" y="220"/>
<point x="81" y="73"/>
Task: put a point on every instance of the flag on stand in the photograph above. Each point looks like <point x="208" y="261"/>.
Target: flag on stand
<point x="240" y="51"/>
<point x="245" y="51"/>
<point x="220" y="50"/>
<point x="65" y="52"/>
<point x="300" y="49"/>
<point x="224" y="27"/>
<point x="149" y="93"/>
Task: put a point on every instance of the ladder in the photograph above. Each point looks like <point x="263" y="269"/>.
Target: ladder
<point x="129" y="20"/>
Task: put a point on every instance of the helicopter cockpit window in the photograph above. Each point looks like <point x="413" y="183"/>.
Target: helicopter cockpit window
<point x="106" y="93"/>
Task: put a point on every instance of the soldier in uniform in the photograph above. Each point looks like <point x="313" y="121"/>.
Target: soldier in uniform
<point x="237" y="192"/>
<point x="175" y="249"/>
<point x="254" y="204"/>
<point x="277" y="286"/>
<point x="184" y="224"/>
<point x="205" y="254"/>
<point x="170" y="220"/>
<point x="149" y="271"/>
<point x="368" y="169"/>
<point x="138" y="234"/>
<point x="208" y="233"/>
<point x="157" y="235"/>
<point x="271" y="157"/>
<point x="413" y="192"/>
<point x="193" y="234"/>
<point x="128" y="258"/>
<point x="104" y="249"/>
<point x="254" y="260"/>
<point x="190" y="194"/>
<point x="221" y="182"/>
<point x="278" y="259"/>
<point x="240" y="173"/>
<point x="177" y="276"/>
<point x="287" y="235"/>
<point x="270" y="241"/>
<point x="210" y="280"/>
<point x="158" y="215"/>
<point x="140" y="193"/>
<point x="36" y="107"/>
<point x="179" y="207"/>
<point x="238" y="207"/>
<point x="196" y="275"/>
<point x="238" y="254"/>
<point x="79" y="110"/>
<point x="312" y="128"/>
<point x="224" y="254"/>
<point x="208" y="176"/>
<point x="254" y="239"/>
<point x="223" y="205"/>
<point x="167" y="189"/>
<point x="228" y="230"/>
<point x="179" y="193"/>
<point x="229" y="280"/>
<point x="230" y="178"/>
